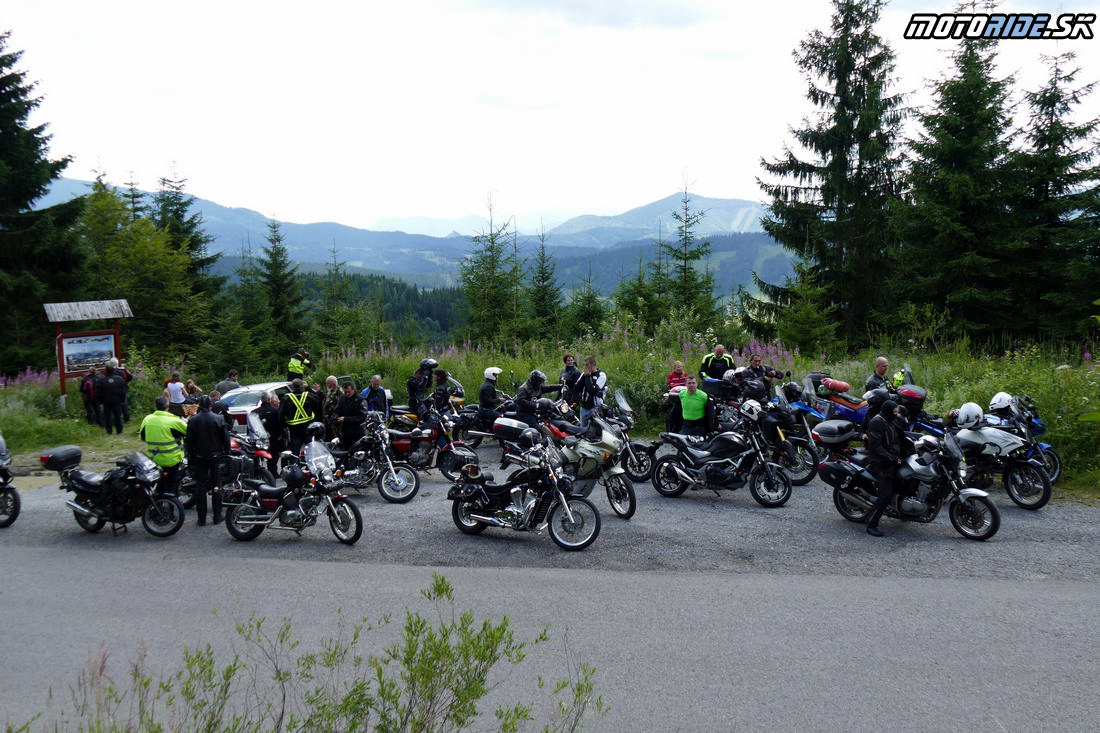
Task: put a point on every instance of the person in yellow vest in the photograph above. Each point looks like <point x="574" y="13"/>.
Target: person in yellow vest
<point x="163" y="434"/>
<point x="298" y="364"/>
<point x="695" y="407"/>
<point x="299" y="408"/>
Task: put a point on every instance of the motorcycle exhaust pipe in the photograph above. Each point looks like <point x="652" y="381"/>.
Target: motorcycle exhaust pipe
<point x="80" y="509"/>
<point x="680" y="472"/>
<point x="491" y="521"/>
<point x="858" y="500"/>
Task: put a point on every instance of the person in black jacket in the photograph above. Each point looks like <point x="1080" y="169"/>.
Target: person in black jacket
<point x="272" y="420"/>
<point x="349" y="414"/>
<point x="716" y="363"/>
<point x="884" y="445"/>
<point x="298" y="409"/>
<point x="110" y="390"/>
<point x="91" y="403"/>
<point x="207" y="441"/>
<point x="528" y="396"/>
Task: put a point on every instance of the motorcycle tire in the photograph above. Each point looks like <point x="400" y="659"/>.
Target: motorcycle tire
<point x="801" y="465"/>
<point x="574" y="533"/>
<point x="163" y="517"/>
<point x="638" y="463"/>
<point x="770" y="485"/>
<point x="89" y="524"/>
<point x="471" y="441"/>
<point x="1028" y="486"/>
<point x="9" y="506"/>
<point x="244" y="532"/>
<point x="1052" y="462"/>
<point x="460" y="513"/>
<point x="400" y="485"/>
<point x="665" y="479"/>
<point x="620" y="495"/>
<point x="346" y="521"/>
<point x="975" y="518"/>
<point x="849" y="509"/>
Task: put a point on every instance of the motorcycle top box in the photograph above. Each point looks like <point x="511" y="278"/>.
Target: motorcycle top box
<point x="836" y="432"/>
<point x="912" y="397"/>
<point x="62" y="458"/>
<point x="506" y="428"/>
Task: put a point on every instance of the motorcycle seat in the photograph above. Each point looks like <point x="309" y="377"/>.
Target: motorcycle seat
<point x="89" y="479"/>
<point x="848" y="400"/>
<point x="568" y="427"/>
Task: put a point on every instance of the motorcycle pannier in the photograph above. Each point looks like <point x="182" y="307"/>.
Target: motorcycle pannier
<point x="62" y="458"/>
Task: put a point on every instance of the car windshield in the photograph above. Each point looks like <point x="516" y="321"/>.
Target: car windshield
<point x="242" y="399"/>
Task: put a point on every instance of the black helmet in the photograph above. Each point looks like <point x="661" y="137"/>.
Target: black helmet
<point x="427" y="365"/>
<point x="529" y="438"/>
<point x="536" y="378"/>
<point x="292" y="474"/>
<point x="316" y="430"/>
<point x="544" y="406"/>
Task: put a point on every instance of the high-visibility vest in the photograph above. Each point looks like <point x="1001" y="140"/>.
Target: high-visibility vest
<point x="301" y="414"/>
<point x="163" y="435"/>
<point x="297" y="365"/>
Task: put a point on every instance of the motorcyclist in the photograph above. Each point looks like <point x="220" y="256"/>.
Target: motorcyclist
<point x="164" y="433"/>
<point x="528" y="395"/>
<point x="417" y="386"/>
<point x="878" y="377"/>
<point x="298" y="409"/>
<point x="298" y="364"/>
<point x="758" y="370"/>
<point x="885" y="442"/>
<point x="441" y="395"/>
<point x="692" y="410"/>
<point x="488" y="399"/>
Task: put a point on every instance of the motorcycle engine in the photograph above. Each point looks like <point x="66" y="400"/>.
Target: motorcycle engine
<point x="718" y="476"/>
<point x="421" y="454"/>
<point x="116" y="508"/>
<point x="912" y="505"/>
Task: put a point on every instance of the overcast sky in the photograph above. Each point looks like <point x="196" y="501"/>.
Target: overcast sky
<point x="359" y="111"/>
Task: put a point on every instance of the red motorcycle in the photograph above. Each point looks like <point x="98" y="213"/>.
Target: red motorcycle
<point x="428" y="444"/>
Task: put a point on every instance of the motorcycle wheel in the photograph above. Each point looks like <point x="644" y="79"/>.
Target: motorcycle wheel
<point x="399" y="485"/>
<point x="770" y="485"/>
<point x="849" y="509"/>
<point x="665" y="479"/>
<point x="239" y="513"/>
<point x="1028" y="486"/>
<point x="163" y="517"/>
<point x="450" y="465"/>
<point x="638" y="464"/>
<point x="801" y="465"/>
<point x="9" y="506"/>
<point x="460" y="512"/>
<point x="1052" y="462"/>
<point x="576" y="533"/>
<point x="471" y="441"/>
<point x="620" y="494"/>
<point x="88" y="524"/>
<point x="975" y="518"/>
<point x="346" y="521"/>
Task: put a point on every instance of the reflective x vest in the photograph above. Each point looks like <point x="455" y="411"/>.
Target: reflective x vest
<point x="163" y="434"/>
<point x="301" y="414"/>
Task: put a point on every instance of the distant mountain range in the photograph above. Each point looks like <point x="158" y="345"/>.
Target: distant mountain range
<point x="617" y="240"/>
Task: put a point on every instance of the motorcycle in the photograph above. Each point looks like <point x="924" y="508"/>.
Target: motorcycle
<point x="637" y="458"/>
<point x="368" y="460"/>
<point x="727" y="461"/>
<point x="591" y="455"/>
<point x="537" y="496"/>
<point x="471" y="428"/>
<point x="118" y="496"/>
<point x="995" y="450"/>
<point x="9" y="497"/>
<point x="795" y="453"/>
<point x="312" y="491"/>
<point x="429" y="445"/>
<point x="927" y="479"/>
<point x="1020" y="416"/>
<point x="249" y="454"/>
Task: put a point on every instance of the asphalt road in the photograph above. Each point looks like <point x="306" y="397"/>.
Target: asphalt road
<point x="702" y="613"/>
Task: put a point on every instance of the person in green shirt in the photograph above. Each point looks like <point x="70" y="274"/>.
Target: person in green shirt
<point x="695" y="408"/>
<point x="163" y="433"/>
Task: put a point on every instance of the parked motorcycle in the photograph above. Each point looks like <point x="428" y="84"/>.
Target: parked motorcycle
<point x="591" y="455"/>
<point x="368" y="460"/>
<point x="637" y="459"/>
<point x="1020" y="416"/>
<point x="726" y="461"/>
<point x="429" y="445"/>
<point x="249" y="454"/>
<point x="994" y="450"/>
<point x="312" y="490"/>
<point x="537" y="496"/>
<point x="118" y="496"/>
<point x="471" y="428"/>
<point x="927" y="479"/>
<point x="9" y="497"/>
<point x="795" y="453"/>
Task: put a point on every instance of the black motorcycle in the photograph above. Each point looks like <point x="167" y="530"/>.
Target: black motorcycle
<point x="9" y="497"/>
<point x="726" y="461"/>
<point x="118" y="496"/>
<point x="368" y="460"/>
<point x="537" y="496"/>
<point x="248" y="458"/>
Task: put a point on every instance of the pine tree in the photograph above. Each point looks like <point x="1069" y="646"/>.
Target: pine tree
<point x="40" y="259"/>
<point x="688" y="288"/>
<point x="486" y="290"/>
<point x="586" y="312"/>
<point x="544" y="295"/>
<point x="830" y="209"/>
<point x="284" y="294"/>
<point x="954" y="225"/>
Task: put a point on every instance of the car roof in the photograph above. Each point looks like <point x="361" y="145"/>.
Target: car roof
<point x="261" y="387"/>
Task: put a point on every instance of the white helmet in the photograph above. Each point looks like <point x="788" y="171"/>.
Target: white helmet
<point x="492" y="372"/>
<point x="1000" y="401"/>
<point x="729" y="376"/>
<point x="751" y="409"/>
<point x="970" y="415"/>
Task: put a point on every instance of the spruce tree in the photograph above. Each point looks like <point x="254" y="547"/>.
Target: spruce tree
<point x="483" y="278"/>
<point x="544" y="295"/>
<point x="829" y="201"/>
<point x="284" y="294"/>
